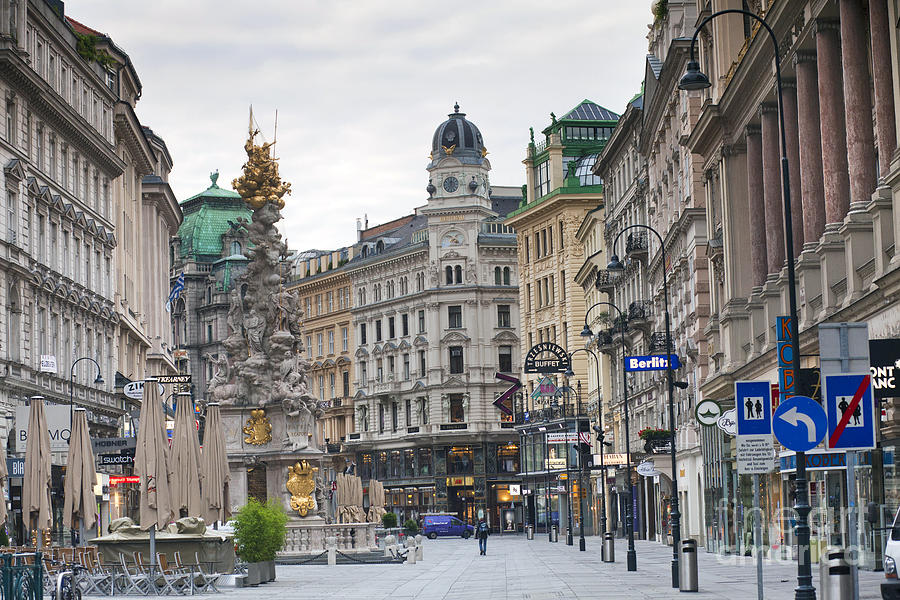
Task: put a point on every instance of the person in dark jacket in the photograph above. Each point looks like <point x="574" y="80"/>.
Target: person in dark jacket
<point x="481" y="532"/>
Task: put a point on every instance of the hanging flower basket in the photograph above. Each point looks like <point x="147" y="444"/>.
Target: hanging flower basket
<point x="654" y="433"/>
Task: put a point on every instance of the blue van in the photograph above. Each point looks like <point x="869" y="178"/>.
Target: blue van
<point x="435" y="525"/>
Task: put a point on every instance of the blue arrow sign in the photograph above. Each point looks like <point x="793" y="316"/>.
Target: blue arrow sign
<point x="850" y="407"/>
<point x="753" y="402"/>
<point x="799" y="423"/>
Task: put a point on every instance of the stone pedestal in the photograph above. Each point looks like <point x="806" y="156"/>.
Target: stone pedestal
<point x="879" y="208"/>
<point x="858" y="243"/>
<point x="757" y="309"/>
<point x="809" y="281"/>
<point x="832" y="268"/>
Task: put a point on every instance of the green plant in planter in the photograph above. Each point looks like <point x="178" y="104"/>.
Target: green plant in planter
<point x="389" y="520"/>
<point x="654" y="433"/>
<point x="259" y="530"/>
<point x="411" y="527"/>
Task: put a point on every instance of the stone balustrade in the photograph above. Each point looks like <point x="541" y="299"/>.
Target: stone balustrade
<point x="304" y="538"/>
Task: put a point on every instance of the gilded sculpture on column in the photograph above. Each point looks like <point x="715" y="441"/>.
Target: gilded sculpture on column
<point x="301" y="484"/>
<point x="258" y="428"/>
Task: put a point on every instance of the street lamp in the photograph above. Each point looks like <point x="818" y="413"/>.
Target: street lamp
<point x="694" y="79"/>
<point x="569" y="504"/>
<point x="97" y="381"/>
<point x="570" y="373"/>
<point x="631" y="555"/>
<point x="616" y="265"/>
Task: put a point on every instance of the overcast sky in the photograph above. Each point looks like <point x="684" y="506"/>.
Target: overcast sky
<point x="361" y="86"/>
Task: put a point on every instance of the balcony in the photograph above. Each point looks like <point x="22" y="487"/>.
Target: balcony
<point x="636" y="246"/>
<point x="658" y="342"/>
<point x="605" y="342"/>
<point x="606" y="281"/>
<point x="639" y="313"/>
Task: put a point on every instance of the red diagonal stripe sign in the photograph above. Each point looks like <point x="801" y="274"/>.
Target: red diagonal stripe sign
<point x="516" y="384"/>
<point x="845" y="418"/>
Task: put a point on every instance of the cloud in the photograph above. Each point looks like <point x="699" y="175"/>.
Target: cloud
<point x="360" y="86"/>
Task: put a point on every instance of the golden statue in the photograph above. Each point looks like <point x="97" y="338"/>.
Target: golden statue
<point x="260" y="182"/>
<point x="484" y="152"/>
<point x="301" y="484"/>
<point x="258" y="429"/>
<point x="449" y="151"/>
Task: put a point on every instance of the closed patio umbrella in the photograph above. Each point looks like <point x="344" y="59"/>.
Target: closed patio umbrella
<point x="151" y="463"/>
<point x="80" y="503"/>
<point x="216" y="496"/>
<point x="184" y="460"/>
<point x="36" y="482"/>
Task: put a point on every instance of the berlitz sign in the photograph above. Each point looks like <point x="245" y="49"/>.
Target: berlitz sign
<point x="654" y="362"/>
<point x="547" y="357"/>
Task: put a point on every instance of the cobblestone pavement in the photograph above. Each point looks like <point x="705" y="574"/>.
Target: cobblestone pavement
<point x="515" y="568"/>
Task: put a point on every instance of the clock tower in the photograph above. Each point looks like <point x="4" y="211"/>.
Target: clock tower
<point x="458" y="171"/>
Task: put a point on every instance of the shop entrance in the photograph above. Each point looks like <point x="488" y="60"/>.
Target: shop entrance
<point x="461" y="500"/>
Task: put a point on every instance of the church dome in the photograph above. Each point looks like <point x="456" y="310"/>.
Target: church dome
<point x="459" y="138"/>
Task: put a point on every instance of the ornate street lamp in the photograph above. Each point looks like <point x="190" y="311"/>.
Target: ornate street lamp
<point x="570" y="373"/>
<point x="97" y="381"/>
<point x="616" y="265"/>
<point x="631" y="555"/>
<point x="694" y="79"/>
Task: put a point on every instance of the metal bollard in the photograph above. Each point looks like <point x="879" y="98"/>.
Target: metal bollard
<point x="554" y="533"/>
<point x="608" y="551"/>
<point x="529" y="532"/>
<point x="419" y="551"/>
<point x="838" y="582"/>
<point x="687" y="563"/>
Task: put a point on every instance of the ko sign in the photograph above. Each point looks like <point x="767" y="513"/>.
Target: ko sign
<point x="654" y="362"/>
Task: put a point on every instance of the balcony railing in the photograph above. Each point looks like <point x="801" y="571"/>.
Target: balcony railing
<point x="636" y="243"/>
<point x="552" y="413"/>
<point x="658" y="342"/>
<point x="606" y="281"/>
<point x="640" y="310"/>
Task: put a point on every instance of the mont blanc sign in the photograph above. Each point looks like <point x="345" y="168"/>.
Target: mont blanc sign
<point x="547" y="357"/>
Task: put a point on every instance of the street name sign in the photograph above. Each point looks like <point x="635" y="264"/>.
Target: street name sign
<point x="799" y="423"/>
<point x="850" y="407"/>
<point x="755" y="446"/>
<point x="653" y="362"/>
<point x="708" y="412"/>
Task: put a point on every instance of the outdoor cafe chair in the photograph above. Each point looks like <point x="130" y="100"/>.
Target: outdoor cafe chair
<point x="204" y="580"/>
<point x="135" y="581"/>
<point x="173" y="580"/>
<point x="95" y="576"/>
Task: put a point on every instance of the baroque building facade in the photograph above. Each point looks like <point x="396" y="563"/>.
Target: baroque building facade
<point x="435" y="314"/>
<point x="560" y="193"/>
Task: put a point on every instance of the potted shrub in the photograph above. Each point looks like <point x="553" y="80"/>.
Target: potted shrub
<point x="411" y="528"/>
<point x="389" y="520"/>
<point x="259" y="531"/>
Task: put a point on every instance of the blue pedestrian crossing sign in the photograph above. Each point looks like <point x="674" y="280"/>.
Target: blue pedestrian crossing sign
<point x="799" y="423"/>
<point x="850" y="407"/>
<point x="753" y="401"/>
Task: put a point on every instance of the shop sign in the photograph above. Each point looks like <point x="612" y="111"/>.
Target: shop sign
<point x="48" y="363"/>
<point x="647" y="469"/>
<point x="653" y="362"/>
<point x="561" y="437"/>
<point x="179" y="354"/>
<point x="116" y="459"/>
<point x="15" y="467"/>
<point x="728" y="422"/>
<point x="115" y="480"/>
<point x="135" y="390"/>
<point x="556" y="463"/>
<point x="57" y="426"/>
<point x="884" y="357"/>
<point x="819" y="461"/>
<point x="515" y="489"/>
<point x="108" y="445"/>
<point x="538" y="361"/>
<point x="708" y="412"/>
<point x="611" y="460"/>
<point x="172" y="378"/>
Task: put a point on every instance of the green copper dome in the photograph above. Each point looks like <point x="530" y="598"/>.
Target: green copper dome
<point x="207" y="216"/>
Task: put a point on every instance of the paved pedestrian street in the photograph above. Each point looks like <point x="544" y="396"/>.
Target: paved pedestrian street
<point x="515" y="568"/>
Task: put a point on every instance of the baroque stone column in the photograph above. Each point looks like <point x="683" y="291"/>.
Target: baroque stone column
<point x="879" y="30"/>
<point x="771" y="174"/>
<point x="792" y="137"/>
<point x="860" y="136"/>
<point x="831" y="106"/>
<point x="810" y="147"/>
<point x="757" y="206"/>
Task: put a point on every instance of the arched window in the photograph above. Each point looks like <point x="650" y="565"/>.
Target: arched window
<point x="458" y="270"/>
<point x="236" y="248"/>
<point x="379" y="247"/>
<point x="449" y="271"/>
<point x="12" y="335"/>
<point x="506" y="276"/>
<point x="497" y="275"/>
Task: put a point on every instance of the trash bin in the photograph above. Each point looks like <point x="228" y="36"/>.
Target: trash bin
<point x="554" y="533"/>
<point x="529" y="532"/>
<point x="838" y="581"/>
<point x="831" y="552"/>
<point x="687" y="564"/>
<point x="608" y="553"/>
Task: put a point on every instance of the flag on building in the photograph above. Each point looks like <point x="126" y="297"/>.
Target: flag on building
<point x="176" y="291"/>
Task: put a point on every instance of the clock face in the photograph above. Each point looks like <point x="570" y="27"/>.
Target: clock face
<point x="451" y="184"/>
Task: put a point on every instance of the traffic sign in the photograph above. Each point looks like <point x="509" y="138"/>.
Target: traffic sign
<point x="850" y="408"/>
<point x="755" y="447"/>
<point x="708" y="412"/>
<point x="799" y="423"/>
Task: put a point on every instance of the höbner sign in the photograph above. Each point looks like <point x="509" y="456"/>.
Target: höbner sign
<point x="654" y="362"/>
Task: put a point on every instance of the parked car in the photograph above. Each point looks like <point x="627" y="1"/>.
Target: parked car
<point x="435" y="525"/>
<point x="890" y="589"/>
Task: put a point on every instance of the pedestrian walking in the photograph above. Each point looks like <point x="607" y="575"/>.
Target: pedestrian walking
<point x="482" y="532"/>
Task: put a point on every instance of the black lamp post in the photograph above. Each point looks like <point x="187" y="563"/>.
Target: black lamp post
<point x="569" y="504"/>
<point x="598" y="428"/>
<point x="616" y="265"/>
<point x="631" y="555"/>
<point x="581" y="543"/>
<point x="694" y="79"/>
<point x="97" y="381"/>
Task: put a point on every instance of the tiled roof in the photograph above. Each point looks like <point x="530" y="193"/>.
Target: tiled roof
<point x="655" y="64"/>
<point x="82" y="28"/>
<point x="590" y="111"/>
<point x="202" y="229"/>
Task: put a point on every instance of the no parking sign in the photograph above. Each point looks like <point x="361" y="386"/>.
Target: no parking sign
<point x="850" y="408"/>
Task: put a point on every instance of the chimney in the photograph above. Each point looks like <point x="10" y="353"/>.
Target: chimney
<point x="358" y="229"/>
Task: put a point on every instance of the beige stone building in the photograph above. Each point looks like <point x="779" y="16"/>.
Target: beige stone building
<point x="323" y="286"/>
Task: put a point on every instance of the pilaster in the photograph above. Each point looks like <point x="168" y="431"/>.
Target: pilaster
<point x="757" y="309"/>
<point x="859" y="245"/>
<point x="833" y="269"/>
